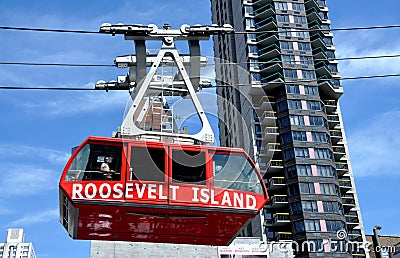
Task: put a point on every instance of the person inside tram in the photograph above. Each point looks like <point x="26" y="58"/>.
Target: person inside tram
<point x="105" y="167"/>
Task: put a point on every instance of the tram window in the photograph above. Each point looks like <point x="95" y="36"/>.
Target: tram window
<point x="86" y="165"/>
<point x="235" y="172"/>
<point x="189" y="167"/>
<point x="147" y="164"/>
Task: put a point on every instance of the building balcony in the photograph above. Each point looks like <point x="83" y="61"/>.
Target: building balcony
<point x="274" y="166"/>
<point x="269" y="151"/>
<point x="279" y="236"/>
<point x="268" y="118"/>
<point x="344" y="185"/>
<point x="262" y="2"/>
<point x="268" y="53"/>
<point x="317" y="4"/>
<point x="313" y="14"/>
<point x="276" y="183"/>
<point x="348" y="202"/>
<point x="330" y="87"/>
<point x="278" y="201"/>
<point x="325" y="69"/>
<point x="350" y="219"/>
<point x="341" y="168"/>
<point x="336" y="134"/>
<point x="268" y="38"/>
<point x="265" y="13"/>
<point x="278" y="220"/>
<point x="320" y="54"/>
<point x="322" y="29"/>
<point x="266" y="24"/>
<point x="265" y="103"/>
<point x="333" y="121"/>
<point x="271" y="68"/>
<point x="330" y="106"/>
<point x="339" y="152"/>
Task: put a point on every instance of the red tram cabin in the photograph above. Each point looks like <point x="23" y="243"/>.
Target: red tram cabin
<point x="159" y="192"/>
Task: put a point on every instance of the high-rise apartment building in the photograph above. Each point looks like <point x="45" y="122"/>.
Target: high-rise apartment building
<point x="15" y="247"/>
<point x="283" y="108"/>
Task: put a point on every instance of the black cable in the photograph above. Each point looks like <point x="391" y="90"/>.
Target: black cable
<point x="56" y="64"/>
<point x="294" y="81"/>
<point x="49" y="30"/>
<point x="266" y="62"/>
<point x="44" y="88"/>
<point x="236" y="32"/>
<point x="289" y="29"/>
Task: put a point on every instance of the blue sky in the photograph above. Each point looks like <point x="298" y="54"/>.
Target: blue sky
<point x="38" y="128"/>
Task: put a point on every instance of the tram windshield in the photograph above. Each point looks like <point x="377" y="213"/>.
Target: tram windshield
<point x="236" y="173"/>
<point x="96" y="162"/>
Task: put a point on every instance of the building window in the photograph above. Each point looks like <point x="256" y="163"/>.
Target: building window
<point x="288" y="59"/>
<point x="332" y="207"/>
<point x="308" y="74"/>
<point x="249" y="10"/>
<point x="302" y="34"/>
<point x="284" y="122"/>
<point x="299" y="136"/>
<point x="307" y="188"/>
<point x="282" y="106"/>
<point x="325" y="171"/>
<point x="289" y="154"/>
<point x="329" y="189"/>
<point x="253" y="49"/>
<point x="291" y="74"/>
<point x="251" y="36"/>
<point x="314" y="105"/>
<point x="250" y="22"/>
<point x="312" y="225"/>
<point x="310" y="206"/>
<point x="286" y="138"/>
<point x="297" y="120"/>
<point x="282" y="18"/>
<point x="300" y="19"/>
<point x="306" y="60"/>
<point x="299" y="227"/>
<point x="254" y="63"/>
<point x="296" y="207"/>
<point x="293" y="89"/>
<point x="317" y="121"/>
<point x="334" y="225"/>
<point x="311" y="90"/>
<point x="320" y="137"/>
<point x="304" y="46"/>
<point x="304" y="170"/>
<point x="298" y="7"/>
<point x="294" y="104"/>
<point x="322" y="154"/>
<point x="281" y="6"/>
<point x="293" y="189"/>
<point x="301" y="152"/>
<point x="284" y="32"/>
<point x="287" y="45"/>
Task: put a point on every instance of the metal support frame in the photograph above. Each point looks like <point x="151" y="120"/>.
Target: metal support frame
<point x="139" y="81"/>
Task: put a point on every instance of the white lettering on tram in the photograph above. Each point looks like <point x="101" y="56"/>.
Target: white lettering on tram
<point x="240" y="200"/>
<point x="157" y="192"/>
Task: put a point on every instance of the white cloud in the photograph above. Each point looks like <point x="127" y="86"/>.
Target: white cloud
<point x="33" y="153"/>
<point x="365" y="44"/>
<point x="35" y="218"/>
<point x="25" y="180"/>
<point x="374" y="147"/>
<point x="71" y="104"/>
